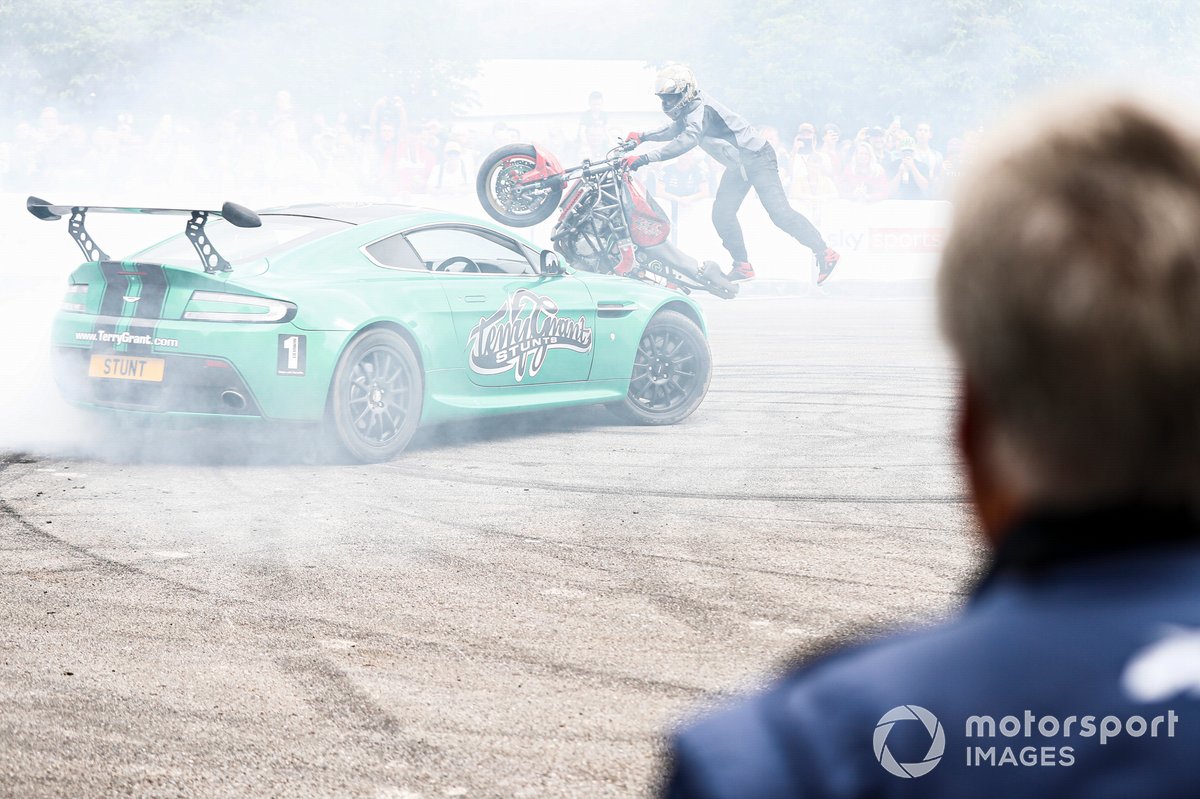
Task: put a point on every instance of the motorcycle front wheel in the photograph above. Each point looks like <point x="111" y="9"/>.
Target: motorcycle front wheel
<point x="503" y="198"/>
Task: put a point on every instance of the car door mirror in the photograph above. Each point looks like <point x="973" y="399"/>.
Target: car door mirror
<point x="551" y="264"/>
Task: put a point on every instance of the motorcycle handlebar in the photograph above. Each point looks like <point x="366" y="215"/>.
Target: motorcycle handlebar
<point x="587" y="169"/>
<point x="591" y="168"/>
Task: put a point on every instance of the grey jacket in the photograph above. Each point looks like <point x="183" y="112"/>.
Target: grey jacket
<point x="720" y="132"/>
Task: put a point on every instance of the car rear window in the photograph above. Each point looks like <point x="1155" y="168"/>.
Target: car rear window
<point x="242" y="244"/>
<point x="395" y="252"/>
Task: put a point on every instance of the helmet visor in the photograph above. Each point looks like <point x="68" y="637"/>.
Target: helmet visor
<point x="671" y="101"/>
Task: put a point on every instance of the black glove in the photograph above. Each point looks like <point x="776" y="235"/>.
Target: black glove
<point x="633" y="162"/>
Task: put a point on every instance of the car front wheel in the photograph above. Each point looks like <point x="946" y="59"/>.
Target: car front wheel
<point x="671" y="372"/>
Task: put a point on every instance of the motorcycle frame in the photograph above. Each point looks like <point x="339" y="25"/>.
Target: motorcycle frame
<point x="604" y="177"/>
<point x="609" y="205"/>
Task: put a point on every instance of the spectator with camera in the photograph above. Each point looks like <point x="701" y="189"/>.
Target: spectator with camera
<point x="909" y="178"/>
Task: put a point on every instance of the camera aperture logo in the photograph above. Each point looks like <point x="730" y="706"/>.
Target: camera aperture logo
<point x="937" y="741"/>
<point x="1018" y="741"/>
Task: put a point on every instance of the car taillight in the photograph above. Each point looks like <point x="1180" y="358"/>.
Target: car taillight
<point x="74" y="299"/>
<point x="215" y="306"/>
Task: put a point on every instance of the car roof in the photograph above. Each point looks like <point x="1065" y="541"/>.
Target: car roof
<point x="392" y="216"/>
<point x="353" y="213"/>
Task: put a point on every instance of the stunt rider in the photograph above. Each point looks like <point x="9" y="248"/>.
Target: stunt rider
<point x="749" y="161"/>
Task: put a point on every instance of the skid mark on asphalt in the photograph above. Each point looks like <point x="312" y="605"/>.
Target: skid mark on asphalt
<point x="786" y="467"/>
<point x="104" y="563"/>
<point x="846" y="392"/>
<point x="848" y="370"/>
<point x="742" y="403"/>
<point x="446" y="476"/>
<point x="8" y="459"/>
<point x="28" y="529"/>
<point x="330" y="691"/>
<point x="458" y="650"/>
<point x="626" y="552"/>
<point x="277" y="617"/>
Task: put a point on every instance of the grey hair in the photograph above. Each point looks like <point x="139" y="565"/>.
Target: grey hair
<point x="1070" y="293"/>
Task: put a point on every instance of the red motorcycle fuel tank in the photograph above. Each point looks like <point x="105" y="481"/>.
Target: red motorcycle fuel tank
<point x="649" y="224"/>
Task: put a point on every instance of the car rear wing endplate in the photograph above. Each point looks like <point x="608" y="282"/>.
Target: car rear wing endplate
<point x="232" y="213"/>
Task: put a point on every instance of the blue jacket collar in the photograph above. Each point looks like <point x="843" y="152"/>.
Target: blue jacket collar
<point x="1049" y="537"/>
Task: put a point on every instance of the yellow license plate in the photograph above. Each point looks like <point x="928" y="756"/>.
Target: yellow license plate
<point x="125" y="367"/>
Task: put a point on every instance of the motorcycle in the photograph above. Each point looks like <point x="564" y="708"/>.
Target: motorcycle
<point x="607" y="222"/>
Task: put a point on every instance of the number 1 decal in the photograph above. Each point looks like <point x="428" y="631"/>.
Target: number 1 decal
<point x="291" y="355"/>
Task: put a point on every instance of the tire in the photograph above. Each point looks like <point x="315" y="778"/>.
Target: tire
<point x="671" y="372"/>
<point x="375" y="396"/>
<point x="495" y="188"/>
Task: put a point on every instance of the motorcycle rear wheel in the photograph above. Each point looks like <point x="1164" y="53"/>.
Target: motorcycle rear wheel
<point x="499" y="193"/>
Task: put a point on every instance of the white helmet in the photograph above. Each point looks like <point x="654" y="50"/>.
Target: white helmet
<point x="675" y="85"/>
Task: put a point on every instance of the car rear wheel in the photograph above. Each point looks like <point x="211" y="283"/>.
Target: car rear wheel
<point x="375" y="396"/>
<point x="671" y="372"/>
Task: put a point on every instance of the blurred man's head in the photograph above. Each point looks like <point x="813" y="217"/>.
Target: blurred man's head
<point x="806" y="134"/>
<point x="1070" y="293"/>
<point x="924" y="133"/>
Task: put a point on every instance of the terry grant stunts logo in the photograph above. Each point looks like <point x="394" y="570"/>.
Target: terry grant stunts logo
<point x="522" y="333"/>
<point x="937" y="745"/>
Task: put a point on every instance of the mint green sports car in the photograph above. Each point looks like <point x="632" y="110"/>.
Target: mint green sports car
<point x="372" y="319"/>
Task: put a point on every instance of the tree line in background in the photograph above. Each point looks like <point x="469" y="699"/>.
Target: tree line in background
<point x="201" y="56"/>
<point x="779" y="61"/>
<point x="953" y="61"/>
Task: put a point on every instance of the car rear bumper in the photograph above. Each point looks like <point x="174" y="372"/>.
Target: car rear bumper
<point x="189" y="384"/>
<point x="204" y="364"/>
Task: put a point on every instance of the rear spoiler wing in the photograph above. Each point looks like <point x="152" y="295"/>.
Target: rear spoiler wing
<point x="232" y="213"/>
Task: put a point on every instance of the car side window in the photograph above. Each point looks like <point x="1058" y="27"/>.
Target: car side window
<point x="491" y="252"/>
<point x="395" y="252"/>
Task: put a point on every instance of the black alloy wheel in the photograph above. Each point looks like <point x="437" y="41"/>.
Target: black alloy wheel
<point x="671" y="372"/>
<point x="376" y="396"/>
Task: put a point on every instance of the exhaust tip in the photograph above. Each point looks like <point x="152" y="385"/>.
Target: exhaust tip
<point x="233" y="400"/>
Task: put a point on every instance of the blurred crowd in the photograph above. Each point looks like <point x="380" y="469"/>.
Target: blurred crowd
<point x="382" y="153"/>
<point x="376" y="153"/>
<point x="878" y="163"/>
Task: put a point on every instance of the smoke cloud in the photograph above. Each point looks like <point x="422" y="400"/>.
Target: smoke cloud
<point x="268" y="102"/>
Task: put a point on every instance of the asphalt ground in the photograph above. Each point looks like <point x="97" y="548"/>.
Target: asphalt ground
<point x="518" y="607"/>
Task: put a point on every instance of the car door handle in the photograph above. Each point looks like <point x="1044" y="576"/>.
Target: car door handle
<point x="475" y="298"/>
